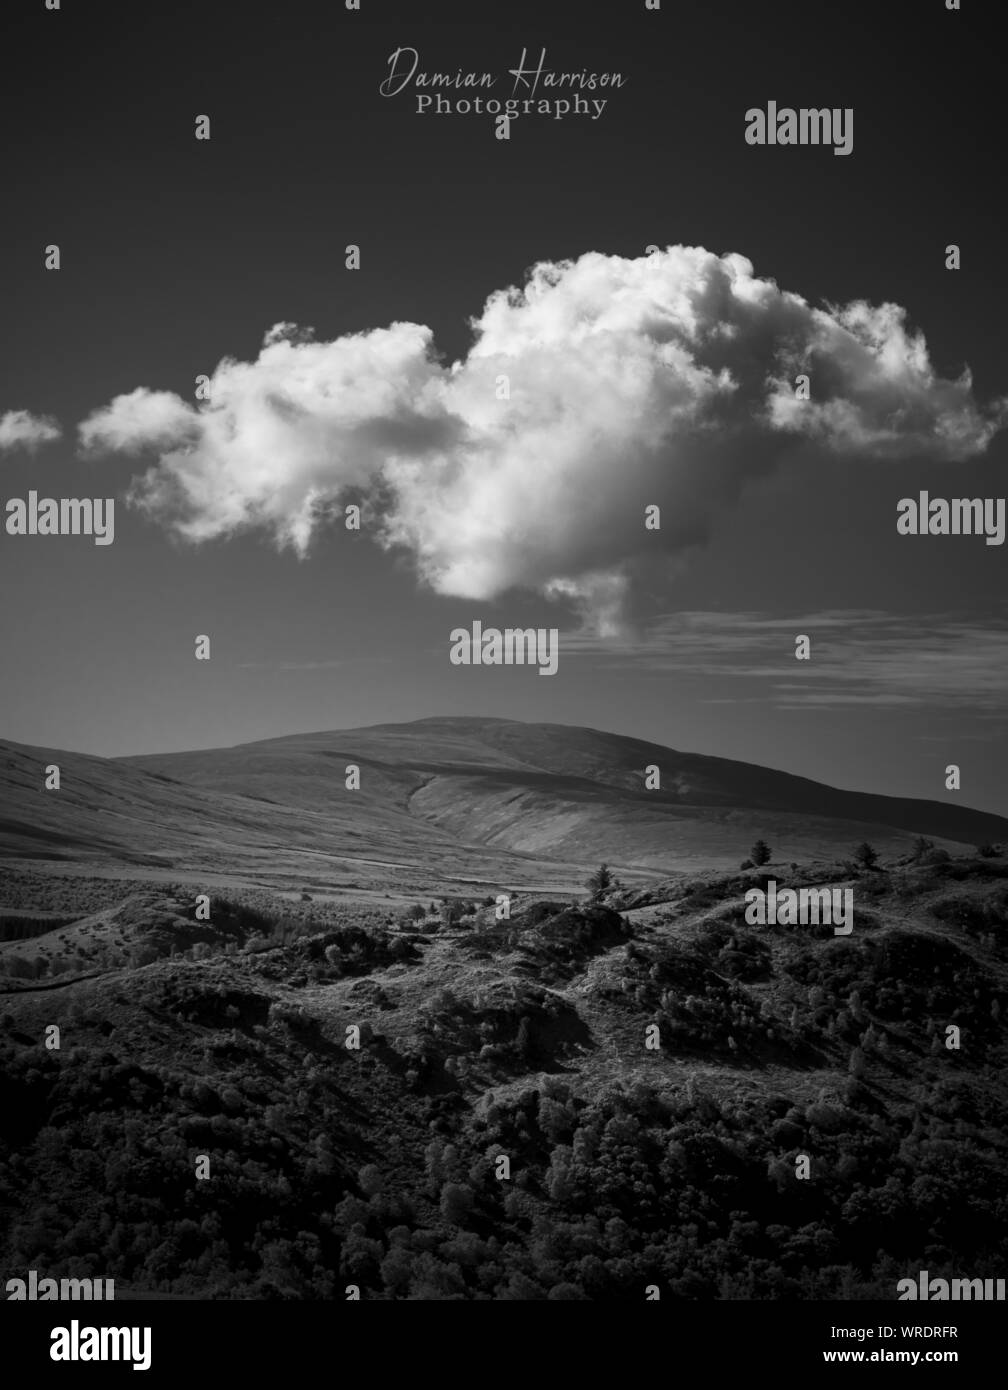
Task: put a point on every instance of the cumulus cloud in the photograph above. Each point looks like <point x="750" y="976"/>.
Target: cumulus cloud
<point x="667" y="379"/>
<point x="19" y="429"/>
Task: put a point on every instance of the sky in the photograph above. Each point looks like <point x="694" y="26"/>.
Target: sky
<point x="634" y="379"/>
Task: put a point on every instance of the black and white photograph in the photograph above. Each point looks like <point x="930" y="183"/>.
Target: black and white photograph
<point x="505" y="667"/>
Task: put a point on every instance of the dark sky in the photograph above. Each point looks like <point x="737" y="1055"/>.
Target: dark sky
<point x="178" y="253"/>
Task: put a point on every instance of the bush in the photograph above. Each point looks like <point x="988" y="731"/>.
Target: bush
<point x="747" y="864"/>
<point x="988" y="851"/>
<point x="866" y="856"/>
<point x="760" y="853"/>
<point x="935" y="856"/>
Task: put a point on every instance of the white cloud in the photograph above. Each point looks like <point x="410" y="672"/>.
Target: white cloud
<point x="142" y="419"/>
<point x="665" y="379"/>
<point x="19" y="429"/>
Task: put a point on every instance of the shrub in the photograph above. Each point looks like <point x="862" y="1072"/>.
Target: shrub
<point x="760" y="853"/>
<point x="866" y="856"/>
<point x="935" y="856"/>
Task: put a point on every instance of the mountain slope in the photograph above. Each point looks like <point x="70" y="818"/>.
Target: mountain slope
<point x="109" y="812"/>
<point x="442" y="803"/>
<point x="557" y="791"/>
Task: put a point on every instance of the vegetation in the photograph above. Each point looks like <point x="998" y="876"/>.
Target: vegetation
<point x="521" y="1040"/>
<point x="601" y="880"/>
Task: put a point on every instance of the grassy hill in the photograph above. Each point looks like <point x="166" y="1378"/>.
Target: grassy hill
<point x="443" y="803"/>
<point x="568" y="793"/>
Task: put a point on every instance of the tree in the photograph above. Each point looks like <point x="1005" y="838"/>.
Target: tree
<point x="456" y="1202"/>
<point x="866" y="855"/>
<point x="922" y="846"/>
<point x="600" y="880"/>
<point x="452" y="912"/>
<point x="370" y="1179"/>
<point x="760" y="853"/>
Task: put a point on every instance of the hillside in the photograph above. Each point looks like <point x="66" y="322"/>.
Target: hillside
<point x="291" y="823"/>
<point x="523" y="1040"/>
<point x="443" y="803"/>
<point x="504" y="1129"/>
<point x="563" y="793"/>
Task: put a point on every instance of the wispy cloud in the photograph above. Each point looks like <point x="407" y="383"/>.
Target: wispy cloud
<point x="858" y="657"/>
<point x="330" y="664"/>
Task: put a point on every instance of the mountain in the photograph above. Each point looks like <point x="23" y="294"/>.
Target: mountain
<point x="447" y="802"/>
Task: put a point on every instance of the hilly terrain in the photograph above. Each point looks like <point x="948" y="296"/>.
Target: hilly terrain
<point x="445" y="803"/>
<point x="558" y="792"/>
<point x="582" y="1100"/>
<point x="310" y="1040"/>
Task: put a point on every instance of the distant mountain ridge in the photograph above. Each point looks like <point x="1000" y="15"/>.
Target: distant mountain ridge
<point x="473" y="799"/>
<point x="449" y="745"/>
